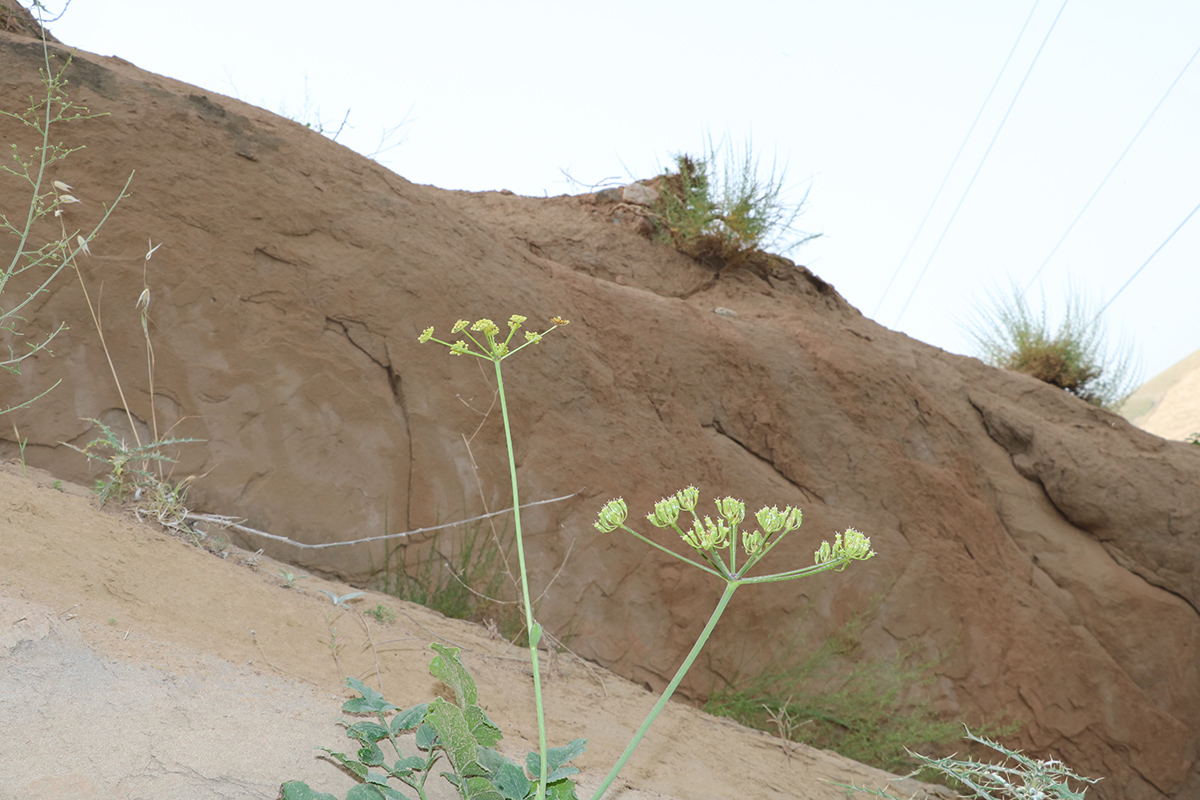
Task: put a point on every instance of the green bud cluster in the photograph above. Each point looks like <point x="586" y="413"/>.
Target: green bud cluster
<point x="851" y="546"/>
<point x="612" y="516"/>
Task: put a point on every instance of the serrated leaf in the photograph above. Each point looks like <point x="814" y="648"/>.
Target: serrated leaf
<point x="454" y="734"/>
<point x="556" y="758"/>
<point x="409" y="718"/>
<point x="480" y="789"/>
<point x="449" y="670"/>
<point x="367" y="732"/>
<point x="364" y="791"/>
<point x="561" y="774"/>
<point x="371" y="702"/>
<point x="561" y="790"/>
<point x="358" y="769"/>
<point x="492" y="760"/>
<point x="511" y="782"/>
<point x="486" y="732"/>
<point x="371" y="755"/>
<point x="408" y="765"/>
<point x="426" y="735"/>
<point x="299" y="790"/>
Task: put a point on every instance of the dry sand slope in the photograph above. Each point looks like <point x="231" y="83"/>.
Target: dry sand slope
<point x="134" y="664"/>
<point x="1168" y="405"/>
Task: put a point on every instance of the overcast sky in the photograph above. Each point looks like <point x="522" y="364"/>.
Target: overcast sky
<point x="867" y="102"/>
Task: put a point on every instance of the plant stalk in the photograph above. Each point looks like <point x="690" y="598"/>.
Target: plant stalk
<point x="530" y="624"/>
<point x="730" y="588"/>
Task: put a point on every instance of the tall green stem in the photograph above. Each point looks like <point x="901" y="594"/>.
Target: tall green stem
<point x="530" y="624"/>
<point x="730" y="588"/>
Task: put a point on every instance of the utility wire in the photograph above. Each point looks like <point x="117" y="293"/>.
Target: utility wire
<point x="1110" y="173"/>
<point x="1144" y="263"/>
<point x="961" y="147"/>
<point x="982" y="161"/>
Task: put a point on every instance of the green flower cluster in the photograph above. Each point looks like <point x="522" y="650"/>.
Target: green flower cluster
<point x="491" y="347"/>
<point x="709" y="536"/>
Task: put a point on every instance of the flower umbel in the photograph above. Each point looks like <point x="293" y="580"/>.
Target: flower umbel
<point x="488" y="347"/>
<point x="688" y="497"/>
<point x="851" y="546"/>
<point x="753" y="543"/>
<point x="612" y="516"/>
<point x="666" y="512"/>
<point x="732" y="509"/>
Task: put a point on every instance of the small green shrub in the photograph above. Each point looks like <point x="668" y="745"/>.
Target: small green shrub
<point x="381" y="613"/>
<point x="1074" y="358"/>
<point x="832" y="701"/>
<point x="722" y="210"/>
<point x="459" y="733"/>
<point x="461" y="576"/>
<point x="129" y="476"/>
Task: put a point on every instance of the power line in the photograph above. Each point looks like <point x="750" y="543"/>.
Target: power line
<point x="1110" y="172"/>
<point x="961" y="147"/>
<point x="1144" y="263"/>
<point x="982" y="161"/>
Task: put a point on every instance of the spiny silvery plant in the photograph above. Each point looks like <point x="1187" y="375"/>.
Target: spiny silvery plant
<point x="1026" y="779"/>
<point x="49" y="198"/>
<point x="462" y="733"/>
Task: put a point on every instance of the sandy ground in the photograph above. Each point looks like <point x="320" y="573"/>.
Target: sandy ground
<point x="1168" y="405"/>
<point x="136" y="664"/>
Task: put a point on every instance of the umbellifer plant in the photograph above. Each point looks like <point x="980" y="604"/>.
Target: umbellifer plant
<point x="461" y="732"/>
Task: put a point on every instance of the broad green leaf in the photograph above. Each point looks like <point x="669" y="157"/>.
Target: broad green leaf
<point x="426" y="736"/>
<point x="556" y="757"/>
<point x="371" y="701"/>
<point x="485" y="731"/>
<point x="358" y="769"/>
<point x="505" y="773"/>
<point x="370" y="755"/>
<point x="480" y="789"/>
<point x="367" y="732"/>
<point x="409" y="718"/>
<point x="298" y="790"/>
<point x="454" y="734"/>
<point x="492" y="760"/>
<point x="449" y="670"/>
<point x="561" y="790"/>
<point x="511" y="782"/>
<point x="365" y="791"/>
<point x="408" y="765"/>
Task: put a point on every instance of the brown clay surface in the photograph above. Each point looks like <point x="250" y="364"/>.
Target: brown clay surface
<point x="1042" y="552"/>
